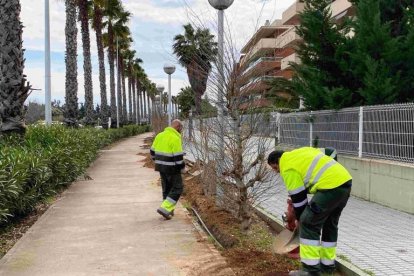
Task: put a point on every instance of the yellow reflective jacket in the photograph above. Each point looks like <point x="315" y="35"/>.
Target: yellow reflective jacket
<point x="167" y="152"/>
<point x="311" y="169"/>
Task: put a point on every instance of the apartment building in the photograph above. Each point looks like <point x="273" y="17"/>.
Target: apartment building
<point x="270" y="52"/>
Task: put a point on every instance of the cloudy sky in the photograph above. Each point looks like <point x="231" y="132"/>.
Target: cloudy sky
<point x="154" y="24"/>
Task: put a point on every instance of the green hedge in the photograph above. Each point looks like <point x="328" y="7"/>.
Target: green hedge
<point x="47" y="159"/>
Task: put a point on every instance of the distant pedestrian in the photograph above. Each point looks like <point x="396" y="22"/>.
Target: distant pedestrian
<point x="168" y="155"/>
<point x="307" y="170"/>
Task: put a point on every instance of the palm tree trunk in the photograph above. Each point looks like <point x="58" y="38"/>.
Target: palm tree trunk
<point x="119" y="92"/>
<point x="71" y="80"/>
<point x="111" y="59"/>
<point x="13" y="88"/>
<point x="87" y="64"/>
<point x="139" y="101"/>
<point x="145" y="104"/>
<point x="124" y="98"/>
<point x="148" y="102"/>
<point x="130" y="111"/>
<point x="150" y="110"/>
<point x="101" y="56"/>
<point x="134" y="101"/>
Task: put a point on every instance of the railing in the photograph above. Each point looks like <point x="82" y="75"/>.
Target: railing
<point x="262" y="59"/>
<point x="385" y="132"/>
<point x="257" y="80"/>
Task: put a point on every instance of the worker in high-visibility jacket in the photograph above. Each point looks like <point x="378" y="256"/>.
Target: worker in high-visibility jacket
<point x="308" y="170"/>
<point x="167" y="152"/>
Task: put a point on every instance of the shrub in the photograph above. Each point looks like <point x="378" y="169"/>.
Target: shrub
<point x="46" y="160"/>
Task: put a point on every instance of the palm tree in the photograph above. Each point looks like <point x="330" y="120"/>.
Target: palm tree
<point x="122" y="38"/>
<point x="141" y="77"/>
<point x="164" y="100"/>
<point x="129" y="60"/>
<point x="111" y="12"/>
<point x="145" y="87"/>
<point x="124" y="46"/>
<point x="196" y="50"/>
<point x="97" y="25"/>
<point x="151" y="92"/>
<point x="71" y="79"/>
<point x="87" y="64"/>
<point x="13" y="88"/>
<point x="134" y="78"/>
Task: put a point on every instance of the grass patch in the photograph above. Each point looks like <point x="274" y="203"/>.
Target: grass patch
<point x="344" y="258"/>
<point x="369" y="272"/>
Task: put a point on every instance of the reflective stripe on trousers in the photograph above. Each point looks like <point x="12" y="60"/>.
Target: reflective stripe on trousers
<point x="328" y="253"/>
<point x="168" y="205"/>
<point x="310" y="251"/>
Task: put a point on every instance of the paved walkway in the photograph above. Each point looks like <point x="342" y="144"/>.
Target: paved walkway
<point x="109" y="226"/>
<point x="375" y="238"/>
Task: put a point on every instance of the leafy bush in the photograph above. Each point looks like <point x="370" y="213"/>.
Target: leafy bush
<point x="46" y="160"/>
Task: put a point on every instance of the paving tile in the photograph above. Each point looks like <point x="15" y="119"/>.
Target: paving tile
<point x="371" y="235"/>
<point x="365" y="235"/>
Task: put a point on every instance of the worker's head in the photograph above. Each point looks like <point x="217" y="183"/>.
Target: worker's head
<point x="177" y="125"/>
<point x="274" y="158"/>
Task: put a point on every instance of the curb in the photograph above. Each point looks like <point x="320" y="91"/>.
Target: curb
<point x="344" y="267"/>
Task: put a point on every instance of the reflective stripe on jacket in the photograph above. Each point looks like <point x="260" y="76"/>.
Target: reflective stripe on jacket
<point x="167" y="152"/>
<point x="308" y="168"/>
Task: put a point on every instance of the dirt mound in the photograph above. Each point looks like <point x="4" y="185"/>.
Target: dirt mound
<point x="148" y="162"/>
<point x="255" y="262"/>
<point x="247" y="253"/>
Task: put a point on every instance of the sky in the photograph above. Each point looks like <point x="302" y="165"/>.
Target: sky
<point x="153" y="24"/>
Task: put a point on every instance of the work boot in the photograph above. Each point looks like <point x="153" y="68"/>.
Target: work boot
<point x="302" y="273"/>
<point x="166" y="216"/>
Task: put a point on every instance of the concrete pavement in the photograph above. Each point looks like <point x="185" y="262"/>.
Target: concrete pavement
<point x="109" y="226"/>
<point x="375" y="238"/>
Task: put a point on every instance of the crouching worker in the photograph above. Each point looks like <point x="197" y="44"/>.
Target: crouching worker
<point x="307" y="170"/>
<point x="168" y="155"/>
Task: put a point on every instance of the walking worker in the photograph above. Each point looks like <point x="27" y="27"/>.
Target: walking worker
<point x="308" y="170"/>
<point x="168" y="155"/>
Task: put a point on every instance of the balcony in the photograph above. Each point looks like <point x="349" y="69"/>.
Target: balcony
<point x="263" y="47"/>
<point x="261" y="67"/>
<point x="265" y="32"/>
<point x="257" y="85"/>
<point x="341" y="8"/>
<point x="288" y="38"/>
<point x="286" y="74"/>
<point x="291" y="15"/>
<point x="293" y="58"/>
<point x="285" y="52"/>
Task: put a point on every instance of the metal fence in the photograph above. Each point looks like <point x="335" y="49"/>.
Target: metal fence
<point x="385" y="132"/>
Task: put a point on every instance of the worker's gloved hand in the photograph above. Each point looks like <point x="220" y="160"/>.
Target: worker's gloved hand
<point x="184" y="171"/>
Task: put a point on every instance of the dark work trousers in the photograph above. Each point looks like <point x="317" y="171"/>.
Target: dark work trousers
<point x="172" y="186"/>
<point x="322" y="215"/>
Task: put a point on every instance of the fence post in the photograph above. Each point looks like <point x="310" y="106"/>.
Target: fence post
<point x="310" y="129"/>
<point x="361" y="131"/>
<point x="279" y="126"/>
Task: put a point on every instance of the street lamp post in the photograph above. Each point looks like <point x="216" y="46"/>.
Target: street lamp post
<point x="221" y="5"/>
<point x="118" y="100"/>
<point x="48" y="95"/>
<point x="169" y="69"/>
